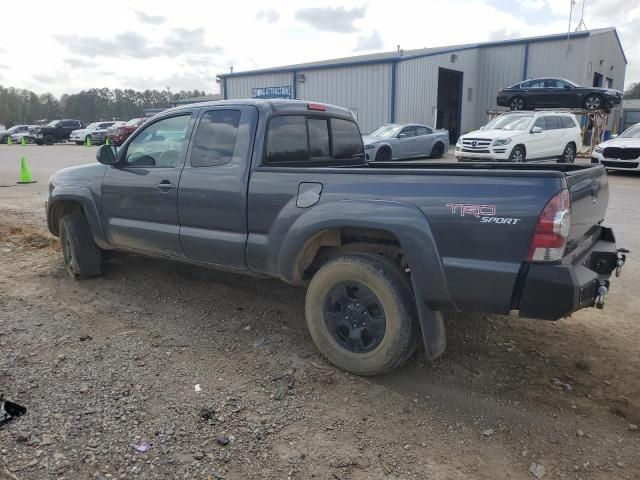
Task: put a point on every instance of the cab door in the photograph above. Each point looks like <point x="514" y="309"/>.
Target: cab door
<point x="212" y="194"/>
<point x="407" y="144"/>
<point x="140" y="192"/>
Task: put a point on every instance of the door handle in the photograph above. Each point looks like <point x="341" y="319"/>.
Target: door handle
<point x="165" y="185"/>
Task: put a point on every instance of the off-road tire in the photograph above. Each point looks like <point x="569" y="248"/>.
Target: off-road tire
<point x="392" y="289"/>
<point x="82" y="257"/>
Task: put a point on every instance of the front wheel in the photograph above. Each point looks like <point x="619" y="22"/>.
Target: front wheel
<point x="517" y="154"/>
<point x="361" y="314"/>
<point x="593" y="102"/>
<point x="383" y="155"/>
<point x="569" y="154"/>
<point x="48" y="139"/>
<point x="82" y="257"/>
<point x="79" y="143"/>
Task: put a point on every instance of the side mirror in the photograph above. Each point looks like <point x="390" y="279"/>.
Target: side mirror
<point x="567" y="87"/>
<point x="614" y="135"/>
<point x="402" y="135"/>
<point x="536" y="130"/>
<point x="106" y="154"/>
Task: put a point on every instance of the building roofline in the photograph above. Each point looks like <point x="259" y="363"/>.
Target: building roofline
<point x="400" y="58"/>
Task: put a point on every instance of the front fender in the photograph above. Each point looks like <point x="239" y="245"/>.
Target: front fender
<point x="406" y="222"/>
<point x="80" y="194"/>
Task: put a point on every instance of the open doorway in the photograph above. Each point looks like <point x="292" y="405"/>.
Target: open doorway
<point x="449" y="102"/>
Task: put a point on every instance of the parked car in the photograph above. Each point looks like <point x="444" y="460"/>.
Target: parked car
<point x="17" y="137"/>
<point x="4" y="135"/>
<point x="523" y="136"/>
<point x="80" y="136"/>
<point x="396" y="141"/>
<point x="118" y="135"/>
<point x="55" y="131"/>
<point x="99" y="135"/>
<point x="556" y="93"/>
<point x="281" y="188"/>
<point x="620" y="153"/>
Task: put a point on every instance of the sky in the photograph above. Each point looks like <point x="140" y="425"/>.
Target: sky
<point x="66" y="47"/>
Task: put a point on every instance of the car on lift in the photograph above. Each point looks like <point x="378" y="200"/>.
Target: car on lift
<point x="398" y="141"/>
<point x="620" y="153"/>
<point x="556" y="93"/>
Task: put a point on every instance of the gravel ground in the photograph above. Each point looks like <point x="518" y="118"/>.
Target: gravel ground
<point x="107" y="364"/>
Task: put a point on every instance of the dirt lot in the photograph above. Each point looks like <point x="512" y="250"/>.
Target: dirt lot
<point x="112" y="362"/>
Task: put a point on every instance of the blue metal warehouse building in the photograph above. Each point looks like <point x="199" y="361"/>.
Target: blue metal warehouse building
<point x="447" y="87"/>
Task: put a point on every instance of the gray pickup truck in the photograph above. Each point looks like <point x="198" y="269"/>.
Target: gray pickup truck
<point x="282" y="189"/>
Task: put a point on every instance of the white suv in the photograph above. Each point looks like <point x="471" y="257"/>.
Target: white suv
<point x="523" y="136"/>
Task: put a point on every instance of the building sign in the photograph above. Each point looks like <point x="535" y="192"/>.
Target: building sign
<point x="271" y="92"/>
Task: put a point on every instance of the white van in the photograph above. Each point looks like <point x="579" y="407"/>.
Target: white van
<point x="523" y="136"/>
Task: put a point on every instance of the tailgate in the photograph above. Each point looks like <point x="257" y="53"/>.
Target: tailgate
<point x="589" y="192"/>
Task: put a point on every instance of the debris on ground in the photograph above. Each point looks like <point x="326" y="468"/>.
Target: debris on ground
<point x="537" y="470"/>
<point x="141" y="447"/>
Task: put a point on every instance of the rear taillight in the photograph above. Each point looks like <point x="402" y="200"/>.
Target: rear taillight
<point x="552" y="230"/>
<point x="500" y="91"/>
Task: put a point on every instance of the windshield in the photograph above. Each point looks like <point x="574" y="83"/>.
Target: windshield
<point x="92" y="125"/>
<point x="509" y="122"/>
<point x="13" y="129"/>
<point x="387" y="131"/>
<point x="133" y="122"/>
<point x="53" y="124"/>
<point x="631" y="132"/>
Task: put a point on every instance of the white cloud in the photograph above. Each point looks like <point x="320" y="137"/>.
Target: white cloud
<point x="369" y="42"/>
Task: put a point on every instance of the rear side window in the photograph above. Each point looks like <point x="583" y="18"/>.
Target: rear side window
<point x="423" y="131"/>
<point x="318" y="138"/>
<point x="287" y="140"/>
<point x="301" y="140"/>
<point x="568" y="122"/>
<point x="347" y="142"/>
<point x="215" y="138"/>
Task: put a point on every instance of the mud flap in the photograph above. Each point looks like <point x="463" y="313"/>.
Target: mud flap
<point x="432" y="327"/>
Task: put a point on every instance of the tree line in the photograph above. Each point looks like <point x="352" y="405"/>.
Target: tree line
<point x="20" y="106"/>
<point x="633" y="91"/>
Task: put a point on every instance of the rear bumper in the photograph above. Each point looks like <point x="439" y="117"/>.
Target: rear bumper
<point x="551" y="292"/>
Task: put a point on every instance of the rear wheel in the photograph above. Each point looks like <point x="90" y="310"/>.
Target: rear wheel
<point x="569" y="154"/>
<point x="593" y="102"/>
<point x="361" y="314"/>
<point x="82" y="257"/>
<point x="383" y="155"/>
<point x="437" y="151"/>
<point x="517" y="154"/>
<point x="517" y="103"/>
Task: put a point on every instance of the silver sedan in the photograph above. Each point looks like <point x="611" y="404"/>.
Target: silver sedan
<point x="397" y="141"/>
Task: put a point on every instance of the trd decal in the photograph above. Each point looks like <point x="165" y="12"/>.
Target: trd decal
<point x="475" y="210"/>
<point x="486" y="213"/>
